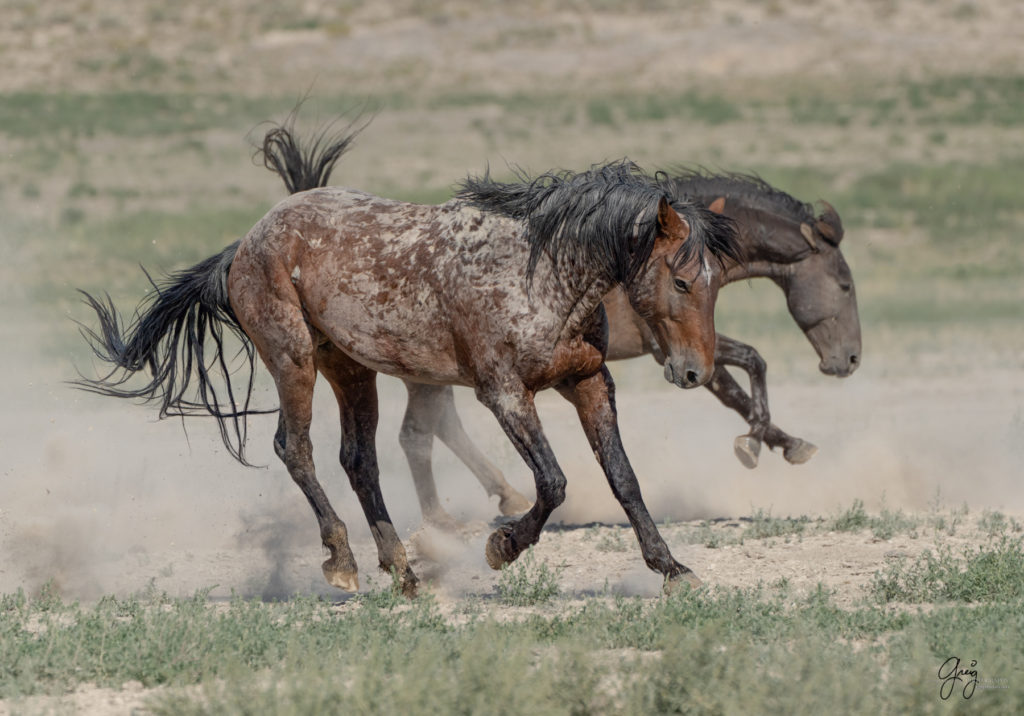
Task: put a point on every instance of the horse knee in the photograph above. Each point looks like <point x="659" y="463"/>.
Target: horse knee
<point x="357" y="463"/>
<point x="551" y="491"/>
<point x="756" y="364"/>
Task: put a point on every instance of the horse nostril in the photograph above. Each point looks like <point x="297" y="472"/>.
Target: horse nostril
<point x="853" y="359"/>
<point x="691" y="377"/>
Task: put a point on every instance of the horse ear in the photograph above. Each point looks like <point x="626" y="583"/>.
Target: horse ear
<point x="829" y="224"/>
<point x="718" y="205"/>
<point x="670" y="222"/>
<point x="825" y="230"/>
<point x="808" y="233"/>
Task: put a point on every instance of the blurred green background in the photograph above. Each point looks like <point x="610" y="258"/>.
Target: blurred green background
<point x="124" y="133"/>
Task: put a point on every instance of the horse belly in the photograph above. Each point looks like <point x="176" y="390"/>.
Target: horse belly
<point x="396" y="335"/>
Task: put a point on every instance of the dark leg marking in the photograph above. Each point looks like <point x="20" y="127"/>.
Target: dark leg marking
<point x="594" y="398"/>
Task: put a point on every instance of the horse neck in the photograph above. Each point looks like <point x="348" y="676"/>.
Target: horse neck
<point x="762" y="251"/>
<point x="573" y="291"/>
<point x="755" y="269"/>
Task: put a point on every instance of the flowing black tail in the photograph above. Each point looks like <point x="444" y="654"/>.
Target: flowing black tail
<point x="170" y="330"/>
<point x="168" y="336"/>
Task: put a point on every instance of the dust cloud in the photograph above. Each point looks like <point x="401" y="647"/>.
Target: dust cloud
<point x="99" y="497"/>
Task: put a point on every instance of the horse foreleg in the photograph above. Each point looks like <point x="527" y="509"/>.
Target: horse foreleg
<point x="422" y="414"/>
<point x="795" y="450"/>
<point x="753" y="408"/>
<point x="355" y="388"/>
<point x="512" y="404"/>
<point x="732" y="352"/>
<point x="594" y="399"/>
<point x="450" y="430"/>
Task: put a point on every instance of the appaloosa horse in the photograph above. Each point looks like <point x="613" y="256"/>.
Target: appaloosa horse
<point x="499" y="289"/>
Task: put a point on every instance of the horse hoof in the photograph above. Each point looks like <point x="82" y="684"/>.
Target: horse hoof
<point x="498" y="549"/>
<point x="799" y="452"/>
<point x="347" y="580"/>
<point x="513" y="503"/>
<point x="441" y="520"/>
<point x="747" y="450"/>
<point x="681" y="582"/>
<point x="409" y="584"/>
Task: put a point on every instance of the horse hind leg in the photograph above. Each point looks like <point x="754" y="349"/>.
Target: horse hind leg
<point x="294" y="447"/>
<point x="287" y="348"/>
<point x="355" y="388"/>
<point x="422" y="412"/>
<point x="450" y="430"/>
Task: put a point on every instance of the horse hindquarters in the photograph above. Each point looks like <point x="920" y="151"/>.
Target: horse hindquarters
<point x="271" y="316"/>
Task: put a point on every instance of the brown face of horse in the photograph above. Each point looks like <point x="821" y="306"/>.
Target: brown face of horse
<point x="821" y="296"/>
<point x="678" y="303"/>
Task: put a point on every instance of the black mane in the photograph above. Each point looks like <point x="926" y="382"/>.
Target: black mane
<point x="756" y="192"/>
<point x="606" y="216"/>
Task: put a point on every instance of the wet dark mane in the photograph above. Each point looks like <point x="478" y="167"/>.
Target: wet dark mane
<point x="756" y="192"/>
<point x="606" y="216"/>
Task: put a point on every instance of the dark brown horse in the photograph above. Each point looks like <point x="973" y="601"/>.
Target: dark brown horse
<point x="499" y="289"/>
<point x="783" y="240"/>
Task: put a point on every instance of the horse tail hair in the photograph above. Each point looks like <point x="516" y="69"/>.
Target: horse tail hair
<point x="169" y="332"/>
<point x="305" y="165"/>
<point x="168" y="336"/>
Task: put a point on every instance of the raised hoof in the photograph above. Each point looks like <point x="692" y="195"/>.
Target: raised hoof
<point x="347" y="580"/>
<point x="513" y="503"/>
<point x="747" y="450"/>
<point x="499" y="550"/>
<point x="681" y="582"/>
<point x="799" y="452"/>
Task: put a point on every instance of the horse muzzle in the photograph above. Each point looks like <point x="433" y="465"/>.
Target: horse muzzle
<point x="842" y="365"/>
<point x="685" y="373"/>
<point x="839" y="352"/>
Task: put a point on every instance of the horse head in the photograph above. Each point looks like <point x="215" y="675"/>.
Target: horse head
<point x="821" y="296"/>
<point x="675" y="294"/>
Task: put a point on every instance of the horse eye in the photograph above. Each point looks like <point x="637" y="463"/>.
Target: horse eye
<point x="681" y="284"/>
<point x="845" y="287"/>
